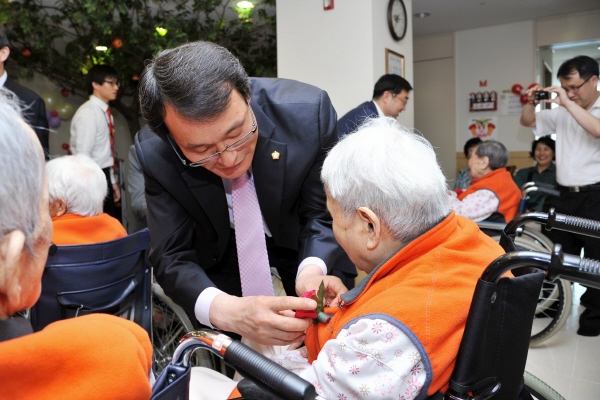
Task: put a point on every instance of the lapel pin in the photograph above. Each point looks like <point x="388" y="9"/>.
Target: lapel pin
<point x="275" y="155"/>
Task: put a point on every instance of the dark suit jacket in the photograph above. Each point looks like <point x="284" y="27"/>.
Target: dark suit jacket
<point x="187" y="210"/>
<point x="34" y="111"/>
<point x="355" y="117"/>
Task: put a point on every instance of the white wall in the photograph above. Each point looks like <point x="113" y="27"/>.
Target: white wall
<point x="502" y="55"/>
<point x="342" y="50"/>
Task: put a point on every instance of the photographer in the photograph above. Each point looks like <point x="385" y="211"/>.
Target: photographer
<point x="576" y="123"/>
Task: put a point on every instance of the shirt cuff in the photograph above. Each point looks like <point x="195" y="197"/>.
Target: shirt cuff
<point x="113" y="179"/>
<point x="202" y="307"/>
<point x="312" y="260"/>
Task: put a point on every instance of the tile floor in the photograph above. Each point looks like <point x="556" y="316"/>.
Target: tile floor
<point x="569" y="363"/>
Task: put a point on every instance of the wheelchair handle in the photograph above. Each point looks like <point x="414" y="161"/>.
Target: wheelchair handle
<point x="556" y="264"/>
<point x="552" y="220"/>
<point x="250" y="364"/>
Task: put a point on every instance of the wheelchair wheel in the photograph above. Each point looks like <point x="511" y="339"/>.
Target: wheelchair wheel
<point x="555" y="301"/>
<point x="169" y="324"/>
<point x="552" y="312"/>
<point x="539" y="389"/>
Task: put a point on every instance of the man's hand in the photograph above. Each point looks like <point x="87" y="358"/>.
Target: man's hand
<point x="561" y="98"/>
<point x="310" y="278"/>
<point x="263" y="319"/>
<point x="117" y="192"/>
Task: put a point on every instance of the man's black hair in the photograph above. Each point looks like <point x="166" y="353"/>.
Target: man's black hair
<point x="392" y="83"/>
<point x="584" y="65"/>
<point x="99" y="73"/>
<point x="195" y="79"/>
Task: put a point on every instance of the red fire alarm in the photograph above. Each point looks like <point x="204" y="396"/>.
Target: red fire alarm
<point x="327" y="4"/>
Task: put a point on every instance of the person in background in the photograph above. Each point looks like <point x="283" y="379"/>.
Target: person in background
<point x="34" y="108"/>
<point x="576" y="122"/>
<point x="92" y="128"/>
<point x="135" y="187"/>
<point x="543" y="172"/>
<point x="94" y="356"/>
<point x="463" y="180"/>
<point x="390" y="96"/>
<point x="77" y="189"/>
<point x="492" y="195"/>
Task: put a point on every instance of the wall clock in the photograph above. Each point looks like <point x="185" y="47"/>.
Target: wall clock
<point x="397" y="21"/>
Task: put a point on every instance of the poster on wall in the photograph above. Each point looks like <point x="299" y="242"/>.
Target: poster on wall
<point x="509" y="103"/>
<point x="483" y="128"/>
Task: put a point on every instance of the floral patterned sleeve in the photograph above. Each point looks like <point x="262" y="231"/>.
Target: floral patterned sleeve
<point x="476" y="206"/>
<point x="373" y="356"/>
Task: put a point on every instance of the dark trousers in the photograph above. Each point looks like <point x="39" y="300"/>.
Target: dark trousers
<point x="585" y="205"/>
<point x="109" y="202"/>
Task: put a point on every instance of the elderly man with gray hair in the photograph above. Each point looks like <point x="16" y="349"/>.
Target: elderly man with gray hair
<point x="77" y="188"/>
<point x="493" y="194"/>
<point x="94" y="356"/>
<point x="397" y="333"/>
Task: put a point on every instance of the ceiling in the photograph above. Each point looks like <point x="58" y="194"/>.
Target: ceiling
<point x="457" y="15"/>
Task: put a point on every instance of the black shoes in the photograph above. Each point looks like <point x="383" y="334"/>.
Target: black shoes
<point x="589" y="323"/>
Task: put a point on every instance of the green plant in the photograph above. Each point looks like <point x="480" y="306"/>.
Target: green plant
<point x="59" y="39"/>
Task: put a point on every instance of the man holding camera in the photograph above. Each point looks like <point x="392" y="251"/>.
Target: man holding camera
<point x="576" y="123"/>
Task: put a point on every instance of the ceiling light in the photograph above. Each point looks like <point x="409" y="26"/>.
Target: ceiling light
<point x="422" y="14"/>
<point x="245" y="4"/>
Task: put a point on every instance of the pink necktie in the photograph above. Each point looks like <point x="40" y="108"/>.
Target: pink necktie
<point x="253" y="260"/>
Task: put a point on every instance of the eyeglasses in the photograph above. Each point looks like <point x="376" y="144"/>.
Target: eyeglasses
<point x="232" y="147"/>
<point x="113" y="83"/>
<point x="405" y="100"/>
<point x="576" y="88"/>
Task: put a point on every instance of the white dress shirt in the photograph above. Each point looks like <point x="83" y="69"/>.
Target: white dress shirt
<point x="90" y="134"/>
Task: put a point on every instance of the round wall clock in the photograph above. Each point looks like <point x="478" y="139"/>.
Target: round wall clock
<point x="397" y="21"/>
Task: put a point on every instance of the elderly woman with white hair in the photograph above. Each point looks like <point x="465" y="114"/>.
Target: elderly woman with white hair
<point x="94" y="356"/>
<point x="77" y="188"/>
<point x="493" y="194"/>
<point x="397" y="333"/>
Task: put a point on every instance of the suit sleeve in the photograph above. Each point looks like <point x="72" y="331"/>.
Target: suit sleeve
<point x="136" y="185"/>
<point x="316" y="237"/>
<point x="40" y="125"/>
<point x="172" y="252"/>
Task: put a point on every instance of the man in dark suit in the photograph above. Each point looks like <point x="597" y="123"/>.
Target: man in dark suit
<point x="34" y="109"/>
<point x="390" y="96"/>
<point x="203" y="111"/>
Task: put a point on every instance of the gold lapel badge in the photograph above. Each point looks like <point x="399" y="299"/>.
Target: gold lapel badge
<point x="275" y="155"/>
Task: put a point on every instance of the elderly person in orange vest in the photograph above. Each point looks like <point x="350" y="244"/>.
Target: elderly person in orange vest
<point x="95" y="356"/>
<point x="77" y="188"/>
<point x="397" y="333"/>
<point x="493" y="194"/>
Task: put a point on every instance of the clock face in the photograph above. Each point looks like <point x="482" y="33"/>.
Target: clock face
<point x="397" y="21"/>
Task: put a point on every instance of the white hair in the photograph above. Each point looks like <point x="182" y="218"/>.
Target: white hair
<point x="22" y="166"/>
<point x="79" y="182"/>
<point x="393" y="172"/>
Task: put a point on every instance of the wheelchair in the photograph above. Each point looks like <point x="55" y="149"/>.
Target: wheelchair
<point x="491" y="359"/>
<point x="114" y="278"/>
<point x="556" y="297"/>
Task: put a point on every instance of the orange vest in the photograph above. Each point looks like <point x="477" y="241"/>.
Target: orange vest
<point x="77" y="229"/>
<point x="96" y="356"/>
<point x="500" y="182"/>
<point x="427" y="286"/>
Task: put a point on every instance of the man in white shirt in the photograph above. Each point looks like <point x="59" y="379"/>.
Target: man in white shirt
<point x="390" y="96"/>
<point x="92" y="131"/>
<point x="577" y="126"/>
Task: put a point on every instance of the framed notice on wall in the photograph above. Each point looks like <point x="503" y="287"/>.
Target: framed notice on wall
<point x="394" y="63"/>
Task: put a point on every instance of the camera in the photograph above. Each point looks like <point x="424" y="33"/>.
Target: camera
<point x="542" y="95"/>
